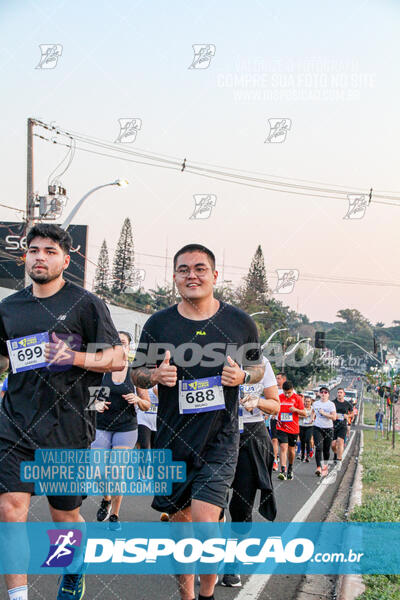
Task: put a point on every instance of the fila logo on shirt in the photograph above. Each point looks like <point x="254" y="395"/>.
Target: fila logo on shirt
<point x="200" y="332"/>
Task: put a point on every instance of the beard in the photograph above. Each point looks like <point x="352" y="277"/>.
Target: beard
<point x="44" y="276"/>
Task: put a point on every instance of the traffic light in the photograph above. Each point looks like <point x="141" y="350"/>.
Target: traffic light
<point x="320" y="339"/>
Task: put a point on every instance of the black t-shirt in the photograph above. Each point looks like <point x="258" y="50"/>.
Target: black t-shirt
<point x="120" y="415"/>
<point x="342" y="408"/>
<point x="190" y="436"/>
<point x="46" y="407"/>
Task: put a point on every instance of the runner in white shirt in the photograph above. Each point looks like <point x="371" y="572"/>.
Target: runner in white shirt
<point x="147" y="420"/>
<point x="325" y="414"/>
<point x="254" y="466"/>
<point x="147" y="426"/>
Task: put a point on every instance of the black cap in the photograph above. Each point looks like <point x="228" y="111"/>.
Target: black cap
<point x="323" y="388"/>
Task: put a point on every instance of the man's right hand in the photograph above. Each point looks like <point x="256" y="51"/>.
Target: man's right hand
<point x="167" y="374"/>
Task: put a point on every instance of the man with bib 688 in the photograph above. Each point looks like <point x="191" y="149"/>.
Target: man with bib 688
<point x="187" y="350"/>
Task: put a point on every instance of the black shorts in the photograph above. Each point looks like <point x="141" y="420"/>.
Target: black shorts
<point x="10" y="460"/>
<point x="145" y="437"/>
<point x="209" y="482"/>
<point x="272" y="428"/>
<point x="340" y="431"/>
<point x="287" y="438"/>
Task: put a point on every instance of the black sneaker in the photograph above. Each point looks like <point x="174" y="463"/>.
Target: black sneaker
<point x="231" y="581"/>
<point x="290" y="474"/>
<point x="104" y="511"/>
<point x="114" y="523"/>
<point x="72" y="586"/>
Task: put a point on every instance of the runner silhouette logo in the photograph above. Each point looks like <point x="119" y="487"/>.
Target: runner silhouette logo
<point x="62" y="547"/>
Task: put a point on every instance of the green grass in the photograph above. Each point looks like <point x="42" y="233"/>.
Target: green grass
<point x="380" y="500"/>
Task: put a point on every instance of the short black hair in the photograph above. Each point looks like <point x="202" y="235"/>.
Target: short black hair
<point x="287" y="385"/>
<point x="128" y="335"/>
<point x="281" y="373"/>
<point x="195" y="248"/>
<point x="53" y="232"/>
<point x="340" y="389"/>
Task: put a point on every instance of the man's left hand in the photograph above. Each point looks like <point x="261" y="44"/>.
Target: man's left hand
<point x="232" y="374"/>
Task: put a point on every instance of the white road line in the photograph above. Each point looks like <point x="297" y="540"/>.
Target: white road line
<point x="256" y="583"/>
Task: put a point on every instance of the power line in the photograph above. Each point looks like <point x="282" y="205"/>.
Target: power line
<point x="236" y="176"/>
<point x="13" y="208"/>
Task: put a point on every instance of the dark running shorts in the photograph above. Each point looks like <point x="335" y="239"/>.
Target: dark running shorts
<point x="287" y="438"/>
<point x="10" y="481"/>
<point x="340" y="431"/>
<point x="210" y="483"/>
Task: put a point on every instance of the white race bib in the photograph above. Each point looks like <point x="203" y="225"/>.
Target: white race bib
<point x="340" y="417"/>
<point x="201" y="395"/>
<point x="153" y="408"/>
<point x="255" y="415"/>
<point x="286" y="417"/>
<point x="27" y="352"/>
<point x="241" y="420"/>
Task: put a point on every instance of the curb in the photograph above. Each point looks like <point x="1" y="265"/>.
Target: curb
<point x="352" y="586"/>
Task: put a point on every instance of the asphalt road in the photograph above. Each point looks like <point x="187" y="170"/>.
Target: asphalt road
<point x="290" y="495"/>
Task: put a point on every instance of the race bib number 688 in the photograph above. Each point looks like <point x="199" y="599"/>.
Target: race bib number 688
<point x="201" y="395"/>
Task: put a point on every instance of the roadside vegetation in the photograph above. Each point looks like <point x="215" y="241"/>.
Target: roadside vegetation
<point x="380" y="498"/>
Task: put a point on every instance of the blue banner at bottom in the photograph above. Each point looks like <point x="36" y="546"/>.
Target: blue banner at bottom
<point x="174" y="548"/>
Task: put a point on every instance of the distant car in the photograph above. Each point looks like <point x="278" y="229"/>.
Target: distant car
<point x="310" y="394"/>
<point x="351" y="395"/>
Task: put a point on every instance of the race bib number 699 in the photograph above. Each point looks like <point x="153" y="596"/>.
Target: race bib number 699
<point x="27" y="352"/>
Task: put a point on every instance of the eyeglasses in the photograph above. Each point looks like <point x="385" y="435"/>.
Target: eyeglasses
<point x="198" y="271"/>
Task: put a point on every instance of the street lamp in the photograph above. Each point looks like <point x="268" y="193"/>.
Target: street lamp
<point x="272" y="335"/>
<point x="118" y="182"/>
<point x="297" y="344"/>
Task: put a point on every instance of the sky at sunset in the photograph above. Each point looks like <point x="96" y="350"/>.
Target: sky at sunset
<point x="328" y="70"/>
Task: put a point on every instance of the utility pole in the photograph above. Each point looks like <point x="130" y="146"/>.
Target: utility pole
<point x="29" y="176"/>
<point x="30" y="208"/>
<point x="393" y="412"/>
<point x="166" y="264"/>
<point x="393" y="426"/>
